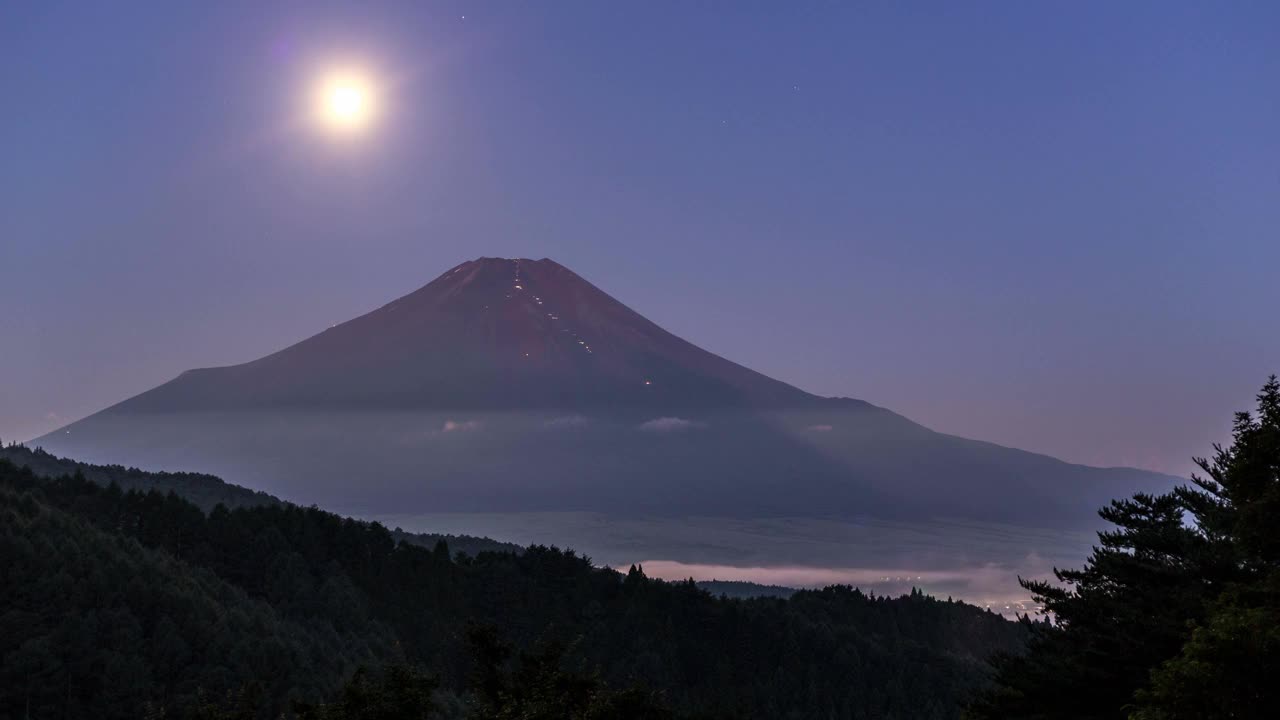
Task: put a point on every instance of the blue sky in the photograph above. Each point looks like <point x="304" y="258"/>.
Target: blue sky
<point x="1049" y="226"/>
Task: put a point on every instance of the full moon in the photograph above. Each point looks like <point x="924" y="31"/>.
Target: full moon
<point x="345" y="102"/>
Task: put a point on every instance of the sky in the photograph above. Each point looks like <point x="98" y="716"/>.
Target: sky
<point x="1051" y="226"/>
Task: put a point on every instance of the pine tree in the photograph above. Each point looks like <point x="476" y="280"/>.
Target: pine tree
<point x="1228" y="667"/>
<point x="1176" y="613"/>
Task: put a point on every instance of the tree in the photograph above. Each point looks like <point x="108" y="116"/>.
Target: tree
<point x="539" y="687"/>
<point x="1228" y="666"/>
<point x="400" y="692"/>
<point x="1174" y="614"/>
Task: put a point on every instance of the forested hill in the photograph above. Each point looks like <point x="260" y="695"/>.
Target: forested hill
<point x="742" y="589"/>
<point x="120" y="604"/>
<point x="203" y="491"/>
<point x="208" y="491"/>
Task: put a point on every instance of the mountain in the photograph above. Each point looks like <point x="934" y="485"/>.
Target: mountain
<point x="490" y="334"/>
<point x="516" y="385"/>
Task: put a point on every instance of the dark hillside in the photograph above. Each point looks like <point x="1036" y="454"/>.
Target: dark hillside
<point x="208" y="491"/>
<point x="835" y="652"/>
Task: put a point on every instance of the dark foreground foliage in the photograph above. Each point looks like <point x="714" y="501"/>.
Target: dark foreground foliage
<point x="1177" y="612"/>
<point x="126" y="604"/>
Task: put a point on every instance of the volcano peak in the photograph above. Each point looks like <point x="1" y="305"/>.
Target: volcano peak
<point x="491" y="333"/>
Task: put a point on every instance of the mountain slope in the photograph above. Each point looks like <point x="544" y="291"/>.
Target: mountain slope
<point x="207" y="492"/>
<point x="96" y="624"/>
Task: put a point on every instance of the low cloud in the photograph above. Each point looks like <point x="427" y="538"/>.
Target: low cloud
<point x="460" y="425"/>
<point x="819" y="428"/>
<point x="669" y="424"/>
<point x="988" y="585"/>
<point x="566" y="422"/>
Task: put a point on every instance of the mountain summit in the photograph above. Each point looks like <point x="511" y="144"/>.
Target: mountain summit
<point x="490" y="333"/>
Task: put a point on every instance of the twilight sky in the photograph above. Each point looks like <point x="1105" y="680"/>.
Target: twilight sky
<point x="1050" y="227"/>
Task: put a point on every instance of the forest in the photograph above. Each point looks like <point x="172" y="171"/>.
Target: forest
<point x="121" y="603"/>
<point x="208" y="491"/>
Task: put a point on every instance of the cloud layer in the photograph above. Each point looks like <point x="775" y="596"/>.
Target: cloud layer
<point x="669" y="424"/>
